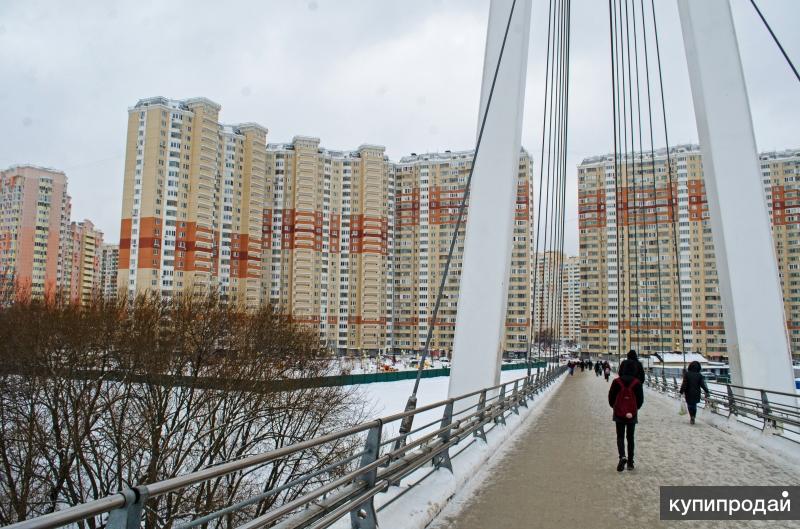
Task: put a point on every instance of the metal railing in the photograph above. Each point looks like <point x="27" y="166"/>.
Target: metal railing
<point x="348" y="485"/>
<point x="773" y="412"/>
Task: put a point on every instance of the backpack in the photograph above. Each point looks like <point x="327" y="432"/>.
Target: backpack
<point x="607" y="371"/>
<point x="626" y="400"/>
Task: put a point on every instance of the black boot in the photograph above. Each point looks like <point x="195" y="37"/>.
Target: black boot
<point x="621" y="464"/>
<point x="630" y="464"/>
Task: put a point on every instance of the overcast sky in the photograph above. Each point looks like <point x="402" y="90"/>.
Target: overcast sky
<point x="404" y="74"/>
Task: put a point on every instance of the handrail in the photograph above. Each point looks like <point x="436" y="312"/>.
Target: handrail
<point x="771" y="391"/>
<point x="766" y="411"/>
<point x="351" y="491"/>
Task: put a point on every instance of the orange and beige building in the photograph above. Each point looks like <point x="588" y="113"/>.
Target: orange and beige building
<point x="557" y="309"/>
<point x="328" y="241"/>
<point x="429" y="188"/>
<point x="109" y="266"/>
<point x="82" y="262"/>
<point x="34" y="229"/>
<point x="193" y="200"/>
<point x="571" y="300"/>
<point x="780" y="173"/>
<point x="648" y="269"/>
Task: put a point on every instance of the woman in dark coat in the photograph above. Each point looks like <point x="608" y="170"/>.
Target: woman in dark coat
<point x="693" y="382"/>
<point x="625" y="425"/>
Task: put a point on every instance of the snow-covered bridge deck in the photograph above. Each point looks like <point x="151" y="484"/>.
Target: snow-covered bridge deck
<point x="561" y="470"/>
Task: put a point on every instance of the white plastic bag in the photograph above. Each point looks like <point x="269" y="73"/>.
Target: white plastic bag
<point x="682" y="408"/>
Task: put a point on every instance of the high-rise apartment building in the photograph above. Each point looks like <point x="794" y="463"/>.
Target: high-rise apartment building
<point x="82" y="262"/>
<point x="193" y="201"/>
<point x="34" y="229"/>
<point x="109" y="265"/>
<point x="648" y="268"/>
<point x="780" y="172"/>
<point x="556" y="287"/>
<point x="328" y="241"/>
<point x="429" y="189"/>
<point x="571" y="300"/>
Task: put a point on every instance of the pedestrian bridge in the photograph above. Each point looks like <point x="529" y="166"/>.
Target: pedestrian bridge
<point x="538" y="451"/>
<point x="560" y="470"/>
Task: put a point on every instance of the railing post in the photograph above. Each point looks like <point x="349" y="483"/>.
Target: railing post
<point x="442" y="459"/>
<point x="480" y="432"/>
<point x="675" y="385"/>
<point x="130" y="515"/>
<point x="664" y="380"/>
<point x="515" y="398"/>
<point x="767" y="410"/>
<point x="526" y="393"/>
<point x="732" y="411"/>
<point x="363" y="516"/>
<point x="501" y="400"/>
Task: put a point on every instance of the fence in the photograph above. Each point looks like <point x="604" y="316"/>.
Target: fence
<point x="348" y="485"/>
<point x="286" y="384"/>
<point x="770" y="411"/>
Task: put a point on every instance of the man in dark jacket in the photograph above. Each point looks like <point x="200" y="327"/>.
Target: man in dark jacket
<point x="625" y="425"/>
<point x="693" y="382"/>
<point x="639" y="368"/>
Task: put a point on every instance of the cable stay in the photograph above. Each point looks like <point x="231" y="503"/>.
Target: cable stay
<point x="643" y="196"/>
<point x="547" y="292"/>
<point x="775" y="38"/>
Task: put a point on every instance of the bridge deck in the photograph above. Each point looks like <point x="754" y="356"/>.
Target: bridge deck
<point x="561" y="471"/>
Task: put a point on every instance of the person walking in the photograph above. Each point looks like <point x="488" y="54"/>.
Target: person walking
<point x="571" y="367"/>
<point x="606" y="370"/>
<point x="598" y="367"/>
<point x="632" y="357"/>
<point x="625" y="396"/>
<point x="693" y="382"/>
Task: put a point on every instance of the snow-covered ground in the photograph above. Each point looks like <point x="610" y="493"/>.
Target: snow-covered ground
<point x="357" y="366"/>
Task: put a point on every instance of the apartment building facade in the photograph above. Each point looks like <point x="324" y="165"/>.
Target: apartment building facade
<point x="82" y="262"/>
<point x="34" y="229"/>
<point x="571" y="300"/>
<point x="556" y="311"/>
<point x="109" y="266"/>
<point x="308" y="229"/>
<point x="193" y="200"/>
<point x="780" y="173"/>
<point x="648" y="269"/>
<point x="328" y="242"/>
<point x="429" y="190"/>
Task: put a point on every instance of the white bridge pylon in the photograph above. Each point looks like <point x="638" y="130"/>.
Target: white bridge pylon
<point x="747" y="268"/>
<point x="480" y="322"/>
<point x="749" y="285"/>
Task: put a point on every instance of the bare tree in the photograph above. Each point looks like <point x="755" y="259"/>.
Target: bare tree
<point x="99" y="397"/>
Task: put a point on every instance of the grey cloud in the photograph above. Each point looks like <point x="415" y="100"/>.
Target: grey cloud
<point x="402" y="74"/>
